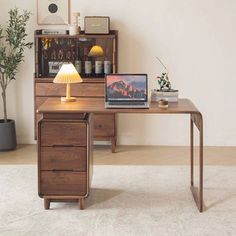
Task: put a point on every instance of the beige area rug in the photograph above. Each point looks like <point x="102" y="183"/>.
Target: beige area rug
<point x="125" y="200"/>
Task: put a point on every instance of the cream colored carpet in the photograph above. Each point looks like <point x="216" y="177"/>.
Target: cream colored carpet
<point x="125" y="200"/>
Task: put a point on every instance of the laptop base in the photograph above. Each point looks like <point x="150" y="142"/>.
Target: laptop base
<point x="109" y="106"/>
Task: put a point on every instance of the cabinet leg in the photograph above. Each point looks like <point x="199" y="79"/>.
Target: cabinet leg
<point x="113" y="145"/>
<point x="46" y="203"/>
<point x="81" y="203"/>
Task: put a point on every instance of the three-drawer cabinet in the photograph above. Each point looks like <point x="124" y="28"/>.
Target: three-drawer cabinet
<point x="65" y="157"/>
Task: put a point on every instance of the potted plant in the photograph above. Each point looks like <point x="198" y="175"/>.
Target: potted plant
<point x="163" y="80"/>
<point x="165" y="93"/>
<point x="12" y="46"/>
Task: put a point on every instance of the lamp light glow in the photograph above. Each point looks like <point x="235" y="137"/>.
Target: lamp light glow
<point x="96" y="51"/>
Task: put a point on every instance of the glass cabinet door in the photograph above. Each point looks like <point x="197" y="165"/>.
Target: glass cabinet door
<point x="92" y="55"/>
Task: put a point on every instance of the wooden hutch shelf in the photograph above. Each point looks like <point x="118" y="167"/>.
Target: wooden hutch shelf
<point x="51" y="51"/>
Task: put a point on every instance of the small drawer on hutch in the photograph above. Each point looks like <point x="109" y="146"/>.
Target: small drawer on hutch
<point x="104" y="125"/>
<point x="63" y="134"/>
<point x="63" y="158"/>
<point x="63" y="183"/>
<point x="79" y="90"/>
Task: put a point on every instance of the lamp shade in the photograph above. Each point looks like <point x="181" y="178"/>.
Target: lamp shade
<point x="67" y="75"/>
<point x="96" y="51"/>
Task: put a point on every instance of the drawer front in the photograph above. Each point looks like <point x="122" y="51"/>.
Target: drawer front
<point x="104" y="125"/>
<point x="63" y="158"/>
<point x="63" y="133"/>
<point x="77" y="90"/>
<point x="63" y="183"/>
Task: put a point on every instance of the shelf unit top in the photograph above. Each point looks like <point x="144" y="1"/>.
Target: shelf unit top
<point x="112" y="34"/>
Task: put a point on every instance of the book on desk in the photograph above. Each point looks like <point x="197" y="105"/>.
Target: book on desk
<point x="169" y="95"/>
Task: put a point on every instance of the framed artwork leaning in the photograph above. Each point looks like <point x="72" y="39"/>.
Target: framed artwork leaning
<point x="53" y="12"/>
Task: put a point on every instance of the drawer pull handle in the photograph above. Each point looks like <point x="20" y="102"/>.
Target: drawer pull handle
<point x="71" y="170"/>
<point x="58" y="145"/>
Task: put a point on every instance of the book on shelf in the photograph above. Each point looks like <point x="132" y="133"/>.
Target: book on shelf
<point x="54" y="31"/>
<point x="170" y="95"/>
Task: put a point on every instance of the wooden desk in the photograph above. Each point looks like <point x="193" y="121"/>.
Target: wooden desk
<point x="184" y="106"/>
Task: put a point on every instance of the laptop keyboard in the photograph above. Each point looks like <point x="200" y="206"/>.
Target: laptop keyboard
<point x="127" y="103"/>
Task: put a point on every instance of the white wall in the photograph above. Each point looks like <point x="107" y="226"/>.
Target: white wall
<point x="195" y="39"/>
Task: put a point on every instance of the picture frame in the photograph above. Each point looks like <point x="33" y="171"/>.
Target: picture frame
<point x="53" y="12"/>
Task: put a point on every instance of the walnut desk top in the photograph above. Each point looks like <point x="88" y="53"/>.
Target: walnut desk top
<point x="96" y="105"/>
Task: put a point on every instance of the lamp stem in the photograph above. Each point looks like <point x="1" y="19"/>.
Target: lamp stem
<point x="68" y="98"/>
<point x="68" y="90"/>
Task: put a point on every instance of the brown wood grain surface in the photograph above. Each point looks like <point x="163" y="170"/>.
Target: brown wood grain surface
<point x="104" y="125"/>
<point x="93" y="80"/>
<point x="64" y="158"/>
<point x="94" y="105"/>
<point x="77" y="90"/>
<point x="65" y="171"/>
<point x="39" y="101"/>
<point x="63" y="183"/>
<point x="63" y="133"/>
<point x="82" y="35"/>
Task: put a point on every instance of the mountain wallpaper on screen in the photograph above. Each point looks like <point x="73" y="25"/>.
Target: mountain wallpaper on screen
<point x="122" y="89"/>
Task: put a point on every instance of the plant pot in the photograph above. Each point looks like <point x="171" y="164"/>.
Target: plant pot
<point x="7" y="135"/>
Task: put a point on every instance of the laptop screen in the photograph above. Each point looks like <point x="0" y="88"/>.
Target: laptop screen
<point x="126" y="87"/>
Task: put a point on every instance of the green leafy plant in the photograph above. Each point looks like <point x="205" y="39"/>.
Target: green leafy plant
<point x="164" y="82"/>
<point x="12" y="46"/>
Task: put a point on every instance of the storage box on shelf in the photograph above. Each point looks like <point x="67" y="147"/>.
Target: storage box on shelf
<point x="51" y="51"/>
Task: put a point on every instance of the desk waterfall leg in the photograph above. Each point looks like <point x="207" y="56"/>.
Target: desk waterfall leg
<point x="191" y="150"/>
<point x="196" y="119"/>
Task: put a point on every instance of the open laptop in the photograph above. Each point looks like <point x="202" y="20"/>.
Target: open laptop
<point x="126" y="91"/>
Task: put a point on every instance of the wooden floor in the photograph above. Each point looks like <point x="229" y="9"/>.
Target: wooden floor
<point x="133" y="155"/>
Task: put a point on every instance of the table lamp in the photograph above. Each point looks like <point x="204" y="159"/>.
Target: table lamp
<point x="67" y="75"/>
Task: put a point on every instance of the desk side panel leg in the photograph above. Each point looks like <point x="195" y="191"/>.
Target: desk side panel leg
<point x="201" y="162"/>
<point x="197" y="194"/>
<point x="191" y="150"/>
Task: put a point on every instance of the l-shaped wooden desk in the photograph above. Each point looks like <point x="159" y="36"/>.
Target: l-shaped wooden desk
<point x="64" y="114"/>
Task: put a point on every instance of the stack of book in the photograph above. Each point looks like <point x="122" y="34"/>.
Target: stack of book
<point x="170" y="95"/>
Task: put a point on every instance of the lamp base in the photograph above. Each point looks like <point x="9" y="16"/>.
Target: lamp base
<point x="70" y="99"/>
